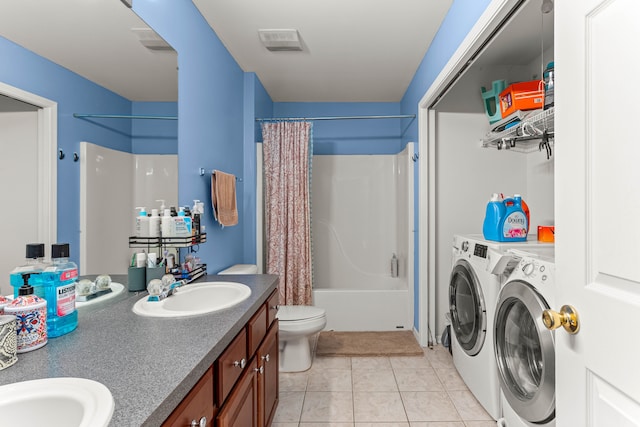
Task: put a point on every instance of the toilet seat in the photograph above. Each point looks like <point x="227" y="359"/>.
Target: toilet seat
<point x="292" y="313"/>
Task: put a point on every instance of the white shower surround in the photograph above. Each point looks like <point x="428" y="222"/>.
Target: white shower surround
<point x="362" y="213"/>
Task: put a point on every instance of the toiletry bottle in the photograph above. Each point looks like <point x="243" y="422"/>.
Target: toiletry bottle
<point x="58" y="288"/>
<point x="196" y="211"/>
<point x="142" y="223"/>
<point x="33" y="265"/>
<point x="182" y="224"/>
<point x="154" y="223"/>
<point x="31" y="317"/>
<point x="166" y="224"/>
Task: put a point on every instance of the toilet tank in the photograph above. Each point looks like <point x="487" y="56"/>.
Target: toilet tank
<point x="240" y="269"/>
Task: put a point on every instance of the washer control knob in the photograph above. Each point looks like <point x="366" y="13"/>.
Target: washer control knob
<point x="528" y="269"/>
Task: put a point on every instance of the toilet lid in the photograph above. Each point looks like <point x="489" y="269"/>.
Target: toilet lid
<point x="299" y="312"/>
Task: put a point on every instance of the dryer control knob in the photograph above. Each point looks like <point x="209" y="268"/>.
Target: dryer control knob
<point x="465" y="246"/>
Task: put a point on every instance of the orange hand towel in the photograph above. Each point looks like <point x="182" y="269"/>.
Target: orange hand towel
<point x="223" y="197"/>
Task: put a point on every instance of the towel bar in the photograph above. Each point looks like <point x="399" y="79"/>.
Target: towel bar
<point x="202" y="172"/>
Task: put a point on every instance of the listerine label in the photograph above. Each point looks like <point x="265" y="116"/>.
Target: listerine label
<point x="515" y="225"/>
<point x="65" y="299"/>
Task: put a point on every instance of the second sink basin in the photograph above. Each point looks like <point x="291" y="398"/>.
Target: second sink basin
<point x="195" y="299"/>
<point x="56" y="402"/>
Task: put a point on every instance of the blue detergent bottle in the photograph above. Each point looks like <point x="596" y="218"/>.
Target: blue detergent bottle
<point x="58" y="287"/>
<point x="515" y="224"/>
<point x="493" y="217"/>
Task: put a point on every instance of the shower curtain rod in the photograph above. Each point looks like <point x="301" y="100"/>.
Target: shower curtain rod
<point x="297" y="119"/>
<point x="118" y="116"/>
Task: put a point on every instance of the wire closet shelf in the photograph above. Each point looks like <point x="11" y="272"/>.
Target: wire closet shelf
<point x="525" y="137"/>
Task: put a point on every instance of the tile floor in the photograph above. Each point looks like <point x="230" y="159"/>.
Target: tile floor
<point x="423" y="391"/>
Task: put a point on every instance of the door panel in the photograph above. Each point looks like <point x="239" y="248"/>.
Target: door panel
<point x="598" y="206"/>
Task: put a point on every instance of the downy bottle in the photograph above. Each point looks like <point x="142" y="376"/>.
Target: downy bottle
<point x="34" y="264"/>
<point x="59" y="289"/>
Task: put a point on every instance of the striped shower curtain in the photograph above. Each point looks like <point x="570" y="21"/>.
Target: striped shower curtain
<point x="287" y="148"/>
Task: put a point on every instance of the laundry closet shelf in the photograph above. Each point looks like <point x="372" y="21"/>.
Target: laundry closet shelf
<point x="526" y="136"/>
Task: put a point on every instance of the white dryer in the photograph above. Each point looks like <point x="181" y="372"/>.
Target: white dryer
<point x="477" y="275"/>
<point x="524" y="348"/>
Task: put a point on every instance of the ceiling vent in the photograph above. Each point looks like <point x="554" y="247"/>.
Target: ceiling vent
<point x="280" y="40"/>
<point x="151" y="40"/>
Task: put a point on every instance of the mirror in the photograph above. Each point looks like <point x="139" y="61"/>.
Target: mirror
<point x="97" y="41"/>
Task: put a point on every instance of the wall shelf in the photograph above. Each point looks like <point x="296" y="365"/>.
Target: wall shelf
<point x="527" y="136"/>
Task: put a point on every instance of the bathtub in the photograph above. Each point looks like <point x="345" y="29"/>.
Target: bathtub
<point x="365" y="310"/>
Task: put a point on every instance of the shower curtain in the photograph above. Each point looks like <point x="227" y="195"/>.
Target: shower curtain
<point x="287" y="148"/>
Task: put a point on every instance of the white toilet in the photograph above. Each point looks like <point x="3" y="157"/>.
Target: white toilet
<point x="297" y="323"/>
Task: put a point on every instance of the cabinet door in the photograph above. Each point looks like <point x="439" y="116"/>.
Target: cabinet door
<point x="267" y="358"/>
<point x="196" y="405"/>
<point x="230" y="365"/>
<point x="241" y="408"/>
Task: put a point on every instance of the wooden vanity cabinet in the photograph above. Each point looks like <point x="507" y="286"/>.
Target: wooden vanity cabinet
<point x="197" y="405"/>
<point x="241" y="388"/>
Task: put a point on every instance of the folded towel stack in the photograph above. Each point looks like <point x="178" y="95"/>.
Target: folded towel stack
<point x="223" y="197"/>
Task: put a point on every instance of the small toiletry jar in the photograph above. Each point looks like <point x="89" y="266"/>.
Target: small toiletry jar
<point x="137" y="279"/>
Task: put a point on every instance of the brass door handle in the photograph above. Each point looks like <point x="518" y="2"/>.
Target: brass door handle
<point x="567" y="318"/>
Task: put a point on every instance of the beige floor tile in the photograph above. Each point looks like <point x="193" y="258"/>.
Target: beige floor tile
<point x="320" y="363"/>
<point x="480" y="423"/>
<point x="439" y="357"/>
<point x="327" y="406"/>
<point x="326" y="424"/>
<point x="378" y="407"/>
<point x="410" y="362"/>
<point x="382" y="425"/>
<point x="284" y="424"/>
<point x="418" y="380"/>
<point x="378" y="363"/>
<point x="429" y="406"/>
<point x="289" y="407"/>
<point x="468" y="407"/>
<point x="371" y="380"/>
<point x="293" y="381"/>
<point x="330" y="380"/>
<point x="439" y="424"/>
<point x="450" y="378"/>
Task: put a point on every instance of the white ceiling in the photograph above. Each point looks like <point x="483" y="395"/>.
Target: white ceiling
<point x="354" y="51"/>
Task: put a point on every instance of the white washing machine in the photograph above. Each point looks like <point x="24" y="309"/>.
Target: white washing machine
<point x="478" y="272"/>
<point x="524" y="348"/>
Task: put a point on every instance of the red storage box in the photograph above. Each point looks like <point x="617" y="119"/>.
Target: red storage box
<point x="522" y="96"/>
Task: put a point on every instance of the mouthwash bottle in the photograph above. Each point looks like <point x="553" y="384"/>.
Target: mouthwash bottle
<point x="58" y="287"/>
<point x="33" y="265"/>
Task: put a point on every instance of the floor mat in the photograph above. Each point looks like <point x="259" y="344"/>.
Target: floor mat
<point x="392" y="343"/>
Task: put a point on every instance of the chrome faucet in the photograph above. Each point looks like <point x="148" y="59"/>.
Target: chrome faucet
<point x="161" y="289"/>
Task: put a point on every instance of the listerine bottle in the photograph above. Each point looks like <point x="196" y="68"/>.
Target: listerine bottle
<point x="34" y="264"/>
<point x="58" y="287"/>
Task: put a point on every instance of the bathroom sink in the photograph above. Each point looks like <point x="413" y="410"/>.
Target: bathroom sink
<point x="56" y="402"/>
<point x="195" y="299"/>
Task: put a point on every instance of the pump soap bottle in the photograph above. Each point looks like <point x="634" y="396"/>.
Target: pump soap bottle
<point x="31" y="317"/>
<point x="33" y="265"/>
<point x="142" y="223"/>
<point x="59" y="289"/>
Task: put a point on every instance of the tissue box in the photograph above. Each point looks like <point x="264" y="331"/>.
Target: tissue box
<point x="522" y="96"/>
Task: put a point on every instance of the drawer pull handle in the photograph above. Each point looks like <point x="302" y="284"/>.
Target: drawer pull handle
<point x="201" y="423"/>
<point x="260" y="370"/>
<point x="241" y="364"/>
<point x="265" y="358"/>
<point x="274" y="307"/>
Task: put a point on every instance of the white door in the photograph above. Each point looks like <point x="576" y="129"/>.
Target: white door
<point x="597" y="159"/>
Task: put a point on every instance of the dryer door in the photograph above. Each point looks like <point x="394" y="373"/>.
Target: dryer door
<point x="466" y="303"/>
<point x="525" y="352"/>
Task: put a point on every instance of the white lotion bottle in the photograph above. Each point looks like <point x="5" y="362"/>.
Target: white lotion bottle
<point x="154" y="223"/>
<point x="142" y="223"/>
<point x="166" y="225"/>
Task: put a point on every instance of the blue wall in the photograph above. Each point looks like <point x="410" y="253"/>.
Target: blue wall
<point x="211" y="120"/>
<point x="74" y="94"/>
<point x="460" y="18"/>
<point x="153" y="136"/>
<point x="378" y="136"/>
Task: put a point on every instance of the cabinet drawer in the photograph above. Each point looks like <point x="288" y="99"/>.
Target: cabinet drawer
<point x="197" y="404"/>
<point x="230" y="365"/>
<point x="272" y="307"/>
<point x="256" y="329"/>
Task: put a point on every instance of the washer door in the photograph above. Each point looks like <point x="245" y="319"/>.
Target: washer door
<point x="525" y="352"/>
<point x="466" y="303"/>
